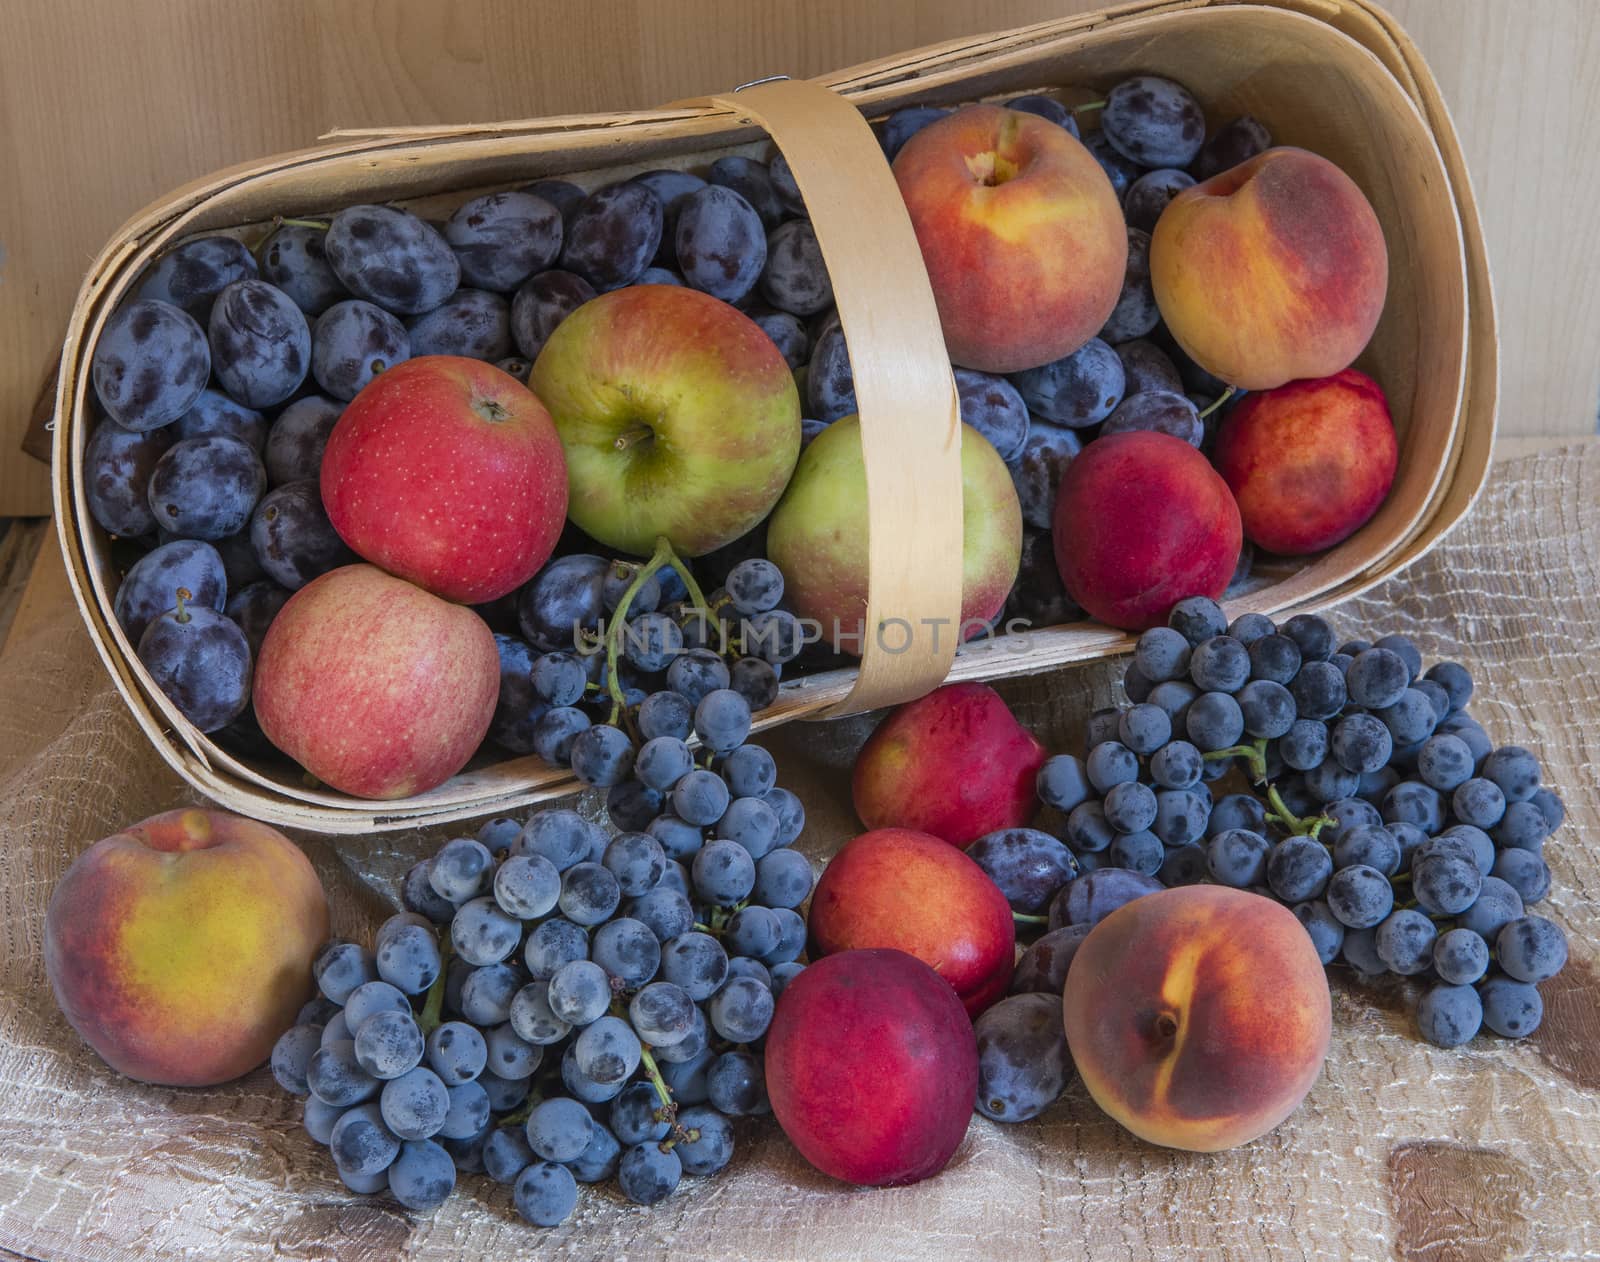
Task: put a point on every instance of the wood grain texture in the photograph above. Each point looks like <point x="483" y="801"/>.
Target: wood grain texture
<point x="105" y="107"/>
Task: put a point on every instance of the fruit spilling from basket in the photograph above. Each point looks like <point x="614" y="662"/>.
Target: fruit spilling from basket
<point x="599" y="453"/>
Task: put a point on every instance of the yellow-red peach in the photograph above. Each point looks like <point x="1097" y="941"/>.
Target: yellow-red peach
<point x="181" y="947"/>
<point x="905" y="890"/>
<point x="1309" y="462"/>
<point x="1198" y="1017"/>
<point x="1271" y="271"/>
<point x="1021" y="234"/>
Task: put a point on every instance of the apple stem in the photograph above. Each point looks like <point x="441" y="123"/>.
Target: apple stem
<point x="633" y="437"/>
<point x="1218" y="401"/>
<point x="429" y="1019"/>
<point x="183" y="615"/>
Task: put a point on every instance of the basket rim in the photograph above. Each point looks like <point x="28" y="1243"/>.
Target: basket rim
<point x="864" y="86"/>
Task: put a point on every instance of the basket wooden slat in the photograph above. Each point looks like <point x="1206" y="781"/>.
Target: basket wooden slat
<point x="1338" y="76"/>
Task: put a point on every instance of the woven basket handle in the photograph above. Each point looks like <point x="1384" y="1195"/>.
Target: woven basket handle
<point x="905" y="394"/>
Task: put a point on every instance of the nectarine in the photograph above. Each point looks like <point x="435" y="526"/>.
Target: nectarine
<point x="872" y="1067"/>
<point x="905" y="890"/>
<point x="1309" y="462"/>
<point x="1143" y="521"/>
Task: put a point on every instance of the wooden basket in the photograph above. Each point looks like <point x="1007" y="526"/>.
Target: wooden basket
<point x="1335" y="76"/>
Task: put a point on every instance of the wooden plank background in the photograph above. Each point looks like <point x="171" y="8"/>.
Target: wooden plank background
<point x="104" y="106"/>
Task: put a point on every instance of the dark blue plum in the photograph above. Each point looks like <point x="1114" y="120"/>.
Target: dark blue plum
<point x="1136" y="312"/>
<point x="501" y="239"/>
<point x="392" y="259"/>
<point x="260" y="343"/>
<point x="1231" y="144"/>
<point x="899" y="127"/>
<point x="293" y="539"/>
<point x="117" y="464"/>
<point x="613" y="235"/>
<point x="473" y="323"/>
<point x="993" y="407"/>
<point x="721" y="244"/>
<point x="541" y="304"/>
<point x="1154" y="121"/>
<point x="1047" y="108"/>
<point x="298" y="438"/>
<point x="191" y="275"/>
<point x="353" y="342"/>
<point x="1157" y="411"/>
<point x="1148" y="196"/>
<point x="751" y="179"/>
<point x="1078" y="390"/>
<point x="795" y="277"/>
<point x="294" y="259"/>
<point x="788" y="334"/>
<point x="1037" y="470"/>
<point x="200" y="659"/>
<point x="150" y="364"/>
<point x="206" y="488"/>
<point x="215" y="413"/>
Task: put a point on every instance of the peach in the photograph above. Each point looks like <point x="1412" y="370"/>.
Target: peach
<point x="1198" y="1017"/>
<point x="1273" y="270"/>
<point x="1006" y="204"/>
<point x="1142" y="521"/>
<point x="818" y="537"/>
<point x="955" y="763"/>
<point x="181" y="947"/>
<point x="901" y="889"/>
<point x="373" y="685"/>
<point x="1309" y="462"/>
<point x="872" y="1068"/>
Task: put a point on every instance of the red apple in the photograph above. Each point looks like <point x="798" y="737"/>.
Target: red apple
<point x="448" y="472"/>
<point x="955" y="763"/>
<point x="180" y="948"/>
<point x="872" y="1068"/>
<point x="373" y="685"/>
<point x="905" y="890"/>
<point x="678" y="414"/>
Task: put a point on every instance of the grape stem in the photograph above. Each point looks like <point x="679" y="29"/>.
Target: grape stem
<point x="668" y="1112"/>
<point x="1218" y="401"/>
<point x="1255" y="756"/>
<point x="433" y="1007"/>
<point x="618" y="626"/>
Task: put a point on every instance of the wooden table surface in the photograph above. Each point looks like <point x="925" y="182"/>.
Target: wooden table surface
<point x="106" y="106"/>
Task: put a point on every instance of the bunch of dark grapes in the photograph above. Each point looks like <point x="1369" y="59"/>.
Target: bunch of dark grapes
<point x="1378" y="809"/>
<point x="620" y="664"/>
<point x="559" y="1004"/>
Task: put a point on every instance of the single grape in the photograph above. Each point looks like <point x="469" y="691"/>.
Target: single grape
<point x="562" y="836"/>
<point x="1512" y="1009"/>
<point x="487" y="992"/>
<point x="662" y="1013"/>
<point x="506" y="1154"/>
<point x="1531" y="949"/>
<point x="1181" y="815"/>
<point x="599" y="1160"/>
<point x="1523" y="871"/>
<point x="741" y="1011"/>
<point x="627" y="950"/>
<point x="646" y="1175"/>
<point x="665" y="912"/>
<point x="637" y="1116"/>
<point x="696" y="963"/>
<point x="791" y="814"/>
<point x="291" y="1057"/>
<point x="336" y="1077"/>
<point x="1448" y="1016"/>
<point x="589" y="894"/>
<point x="601" y="755"/>
<point x="559" y="1129"/>
<point x="1360" y="897"/>
<point x="1326" y="932"/>
<point x="1460" y="956"/>
<point x="1404" y="941"/>
<point x="388" y="1044"/>
<point x="607" y="1051"/>
<point x="456" y="1052"/>
<point x="414" y="1105"/>
<point x="361" y="1143"/>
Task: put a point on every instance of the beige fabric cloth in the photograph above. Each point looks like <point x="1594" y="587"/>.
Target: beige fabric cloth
<point x="1401" y="1149"/>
